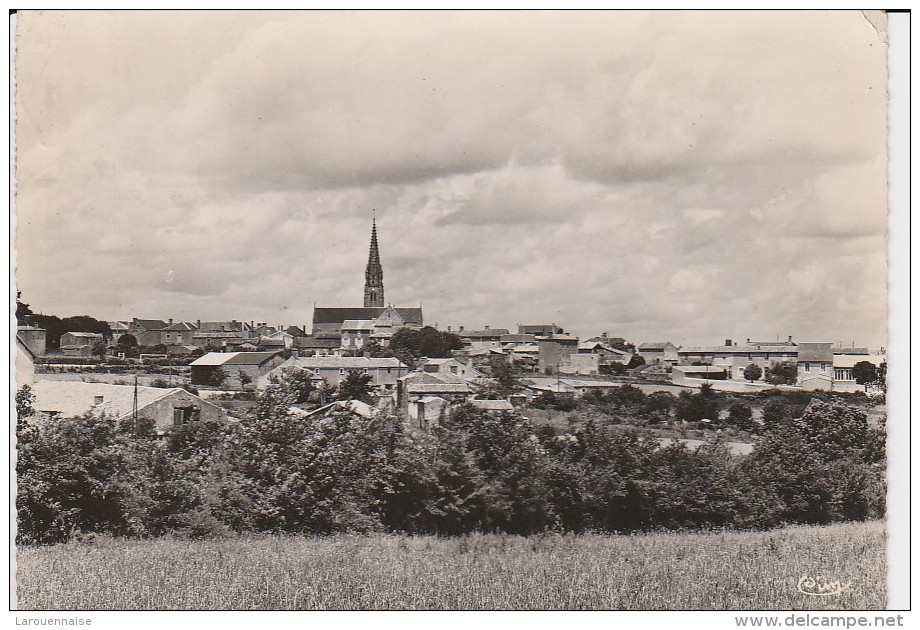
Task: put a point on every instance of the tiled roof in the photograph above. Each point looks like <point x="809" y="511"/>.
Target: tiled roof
<point x="435" y="388"/>
<point x="181" y="326"/>
<point x="431" y="378"/>
<point x="358" y="324"/>
<point x="862" y="351"/>
<point x="317" y="342"/>
<point x="815" y="352"/>
<point x="84" y="335"/>
<point x="849" y="360"/>
<point x="489" y="332"/>
<point x="745" y="349"/>
<point x="216" y="335"/>
<point x="348" y="363"/>
<point x="75" y="398"/>
<point x="149" y="324"/>
<point x="512" y="338"/>
<point x="336" y="315"/>
<point x="655" y="345"/>
<point x="233" y="358"/>
<point x="295" y="331"/>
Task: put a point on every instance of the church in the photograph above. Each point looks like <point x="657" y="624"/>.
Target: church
<point x="376" y="320"/>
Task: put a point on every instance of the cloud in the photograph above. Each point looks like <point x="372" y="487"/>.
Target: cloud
<point x="657" y="175"/>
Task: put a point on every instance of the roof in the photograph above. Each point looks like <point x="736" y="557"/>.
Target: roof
<point x="849" y="360"/>
<point x="745" y="349"/>
<point x="432" y="378"/>
<point x="358" y="324"/>
<point x="295" y="331"/>
<point x="512" y="338"/>
<point x="557" y="337"/>
<point x="149" y="324"/>
<point x="75" y="398"/>
<point x="317" y="342"/>
<point x="488" y="332"/>
<point x="850" y="350"/>
<point x="656" y="345"/>
<point x="25" y="348"/>
<point x="815" y="352"/>
<point x="233" y="358"/>
<point x="493" y="405"/>
<point x="84" y="335"/>
<point x="591" y="345"/>
<point x="31" y="328"/>
<point x="437" y="388"/>
<point x="181" y="326"/>
<point x="708" y="369"/>
<point x="337" y="315"/>
<point x="348" y="363"/>
<point x="216" y="335"/>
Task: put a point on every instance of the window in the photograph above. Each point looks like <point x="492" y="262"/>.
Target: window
<point x="341" y="371"/>
<point x="184" y="415"/>
<point x="808" y="367"/>
<point x="365" y="370"/>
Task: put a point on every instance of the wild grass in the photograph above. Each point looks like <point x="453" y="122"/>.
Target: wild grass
<point x="741" y="571"/>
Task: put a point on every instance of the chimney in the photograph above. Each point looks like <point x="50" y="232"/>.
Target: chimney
<point x="790" y="338"/>
<point x="604" y="335"/>
<point x="485" y="327"/>
<point x="461" y="329"/>
<point x="748" y="341"/>
<point x="448" y="328"/>
<point x="97" y="400"/>
<point x="295" y="353"/>
<point x="728" y="342"/>
<point x="170" y="321"/>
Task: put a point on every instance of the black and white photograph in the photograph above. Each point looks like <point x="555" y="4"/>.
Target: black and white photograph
<point x="375" y="310"/>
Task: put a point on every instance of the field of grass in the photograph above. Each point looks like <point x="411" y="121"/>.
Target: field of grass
<point x="655" y="571"/>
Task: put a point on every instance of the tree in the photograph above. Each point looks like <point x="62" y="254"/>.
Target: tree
<point x="782" y="373"/>
<point x="127" y="340"/>
<point x="740" y="415"/>
<point x="23" y="312"/>
<point x="356" y="386"/>
<point x="244" y="377"/>
<point x="753" y="372"/>
<point x="25" y="400"/>
<point x="865" y="373"/>
<point x="99" y="349"/>
<point x="216" y="377"/>
<point x="635" y="361"/>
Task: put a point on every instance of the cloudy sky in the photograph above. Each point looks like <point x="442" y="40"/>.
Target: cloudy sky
<point x="683" y="176"/>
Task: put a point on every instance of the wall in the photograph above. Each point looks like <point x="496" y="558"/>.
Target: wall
<point x="162" y="410"/>
<point x="580" y="364"/>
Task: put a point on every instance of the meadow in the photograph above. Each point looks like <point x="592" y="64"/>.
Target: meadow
<point x="670" y="571"/>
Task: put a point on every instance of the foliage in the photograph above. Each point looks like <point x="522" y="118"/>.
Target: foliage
<point x="245" y="378"/>
<point x="753" y="372"/>
<point x="99" y="349"/>
<point x="865" y="373"/>
<point x="25" y="401"/>
<point x="55" y="327"/>
<point x="23" y="311"/>
<point x="216" y="377"/>
<point x="782" y="373"/>
<point x="741" y="415"/>
<point x="298" y="384"/>
<point x="704" y="405"/>
<point x="635" y="361"/>
<point x="410" y="344"/>
<point x="478" y="471"/>
<point x="356" y="386"/>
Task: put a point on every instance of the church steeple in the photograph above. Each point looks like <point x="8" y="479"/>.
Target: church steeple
<point x="373" y="275"/>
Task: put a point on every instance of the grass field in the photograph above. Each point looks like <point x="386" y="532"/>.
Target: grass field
<point x="655" y="571"/>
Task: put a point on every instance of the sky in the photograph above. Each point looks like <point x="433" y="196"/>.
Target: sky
<point x="682" y="176"/>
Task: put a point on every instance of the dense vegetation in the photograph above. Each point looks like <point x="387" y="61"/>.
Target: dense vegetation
<point x="817" y="462"/>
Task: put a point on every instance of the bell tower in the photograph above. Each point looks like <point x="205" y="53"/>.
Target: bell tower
<point x="373" y="275"/>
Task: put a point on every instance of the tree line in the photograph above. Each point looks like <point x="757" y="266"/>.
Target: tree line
<point x="475" y="472"/>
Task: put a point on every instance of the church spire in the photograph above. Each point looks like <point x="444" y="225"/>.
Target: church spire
<point x="373" y="275"/>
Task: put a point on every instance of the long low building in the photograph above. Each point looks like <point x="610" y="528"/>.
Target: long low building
<point x="165" y="407"/>
<point x="233" y="370"/>
<point x="384" y="371"/>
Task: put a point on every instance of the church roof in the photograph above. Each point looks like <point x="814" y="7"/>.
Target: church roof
<point x="337" y="315"/>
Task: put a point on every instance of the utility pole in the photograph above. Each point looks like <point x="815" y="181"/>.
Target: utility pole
<point x="134" y="407"/>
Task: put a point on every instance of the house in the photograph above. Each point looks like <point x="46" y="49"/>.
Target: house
<point x="179" y="333"/>
<point x="680" y="373"/>
<point x="139" y="326"/>
<point x="78" y="339"/>
<point x="317" y="345"/>
<point x="510" y="342"/>
<point x="36" y="339"/>
<point x="384" y="371"/>
<point x="813" y="360"/>
<point x="659" y="352"/>
<point x="238" y="368"/>
<point x="843" y="367"/>
<point x="417" y="385"/>
<point x="286" y="339"/>
<point x="356" y="333"/>
<point x="451" y="367"/>
<point x="209" y="340"/>
<point x="580" y="363"/>
<point x="166" y="408"/>
<point x="118" y="329"/>
<point x="554" y="349"/>
<point x="733" y="358"/>
<point x="485" y="339"/>
<point x="328" y="321"/>
<point x="541" y="330"/>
